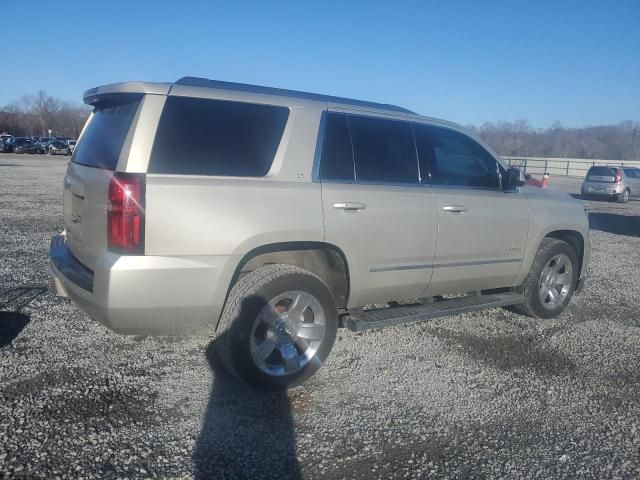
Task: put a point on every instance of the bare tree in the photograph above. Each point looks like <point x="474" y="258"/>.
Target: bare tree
<point x="35" y="115"/>
<point x="618" y="142"/>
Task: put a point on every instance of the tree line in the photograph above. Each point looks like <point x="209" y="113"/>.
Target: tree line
<point x="620" y="141"/>
<point x="35" y="115"/>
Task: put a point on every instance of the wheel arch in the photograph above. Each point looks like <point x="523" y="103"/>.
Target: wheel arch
<point x="325" y="260"/>
<point x="574" y="239"/>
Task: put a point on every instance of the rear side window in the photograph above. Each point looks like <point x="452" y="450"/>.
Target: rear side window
<point x="213" y="137"/>
<point x="104" y="136"/>
<point x="454" y="158"/>
<point x="384" y="150"/>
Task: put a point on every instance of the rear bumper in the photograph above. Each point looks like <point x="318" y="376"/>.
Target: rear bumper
<point x="144" y="295"/>
<point x="603" y="189"/>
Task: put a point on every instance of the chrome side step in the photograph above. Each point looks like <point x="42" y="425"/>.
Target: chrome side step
<point x="358" y="320"/>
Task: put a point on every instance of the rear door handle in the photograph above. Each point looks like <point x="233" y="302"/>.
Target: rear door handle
<point x="454" y="208"/>
<point x="350" y="206"/>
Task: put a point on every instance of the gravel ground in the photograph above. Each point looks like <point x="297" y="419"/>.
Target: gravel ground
<point x="488" y="394"/>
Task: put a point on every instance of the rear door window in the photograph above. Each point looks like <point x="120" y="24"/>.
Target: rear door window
<point x="105" y="134"/>
<point x="384" y="151"/>
<point x="198" y="136"/>
<point x="368" y="150"/>
<point x="455" y="159"/>
<point x="337" y="154"/>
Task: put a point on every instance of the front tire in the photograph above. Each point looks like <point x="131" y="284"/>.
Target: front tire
<point x="277" y="327"/>
<point x="551" y="282"/>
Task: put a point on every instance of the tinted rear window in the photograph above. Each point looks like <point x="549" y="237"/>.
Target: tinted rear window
<point x="105" y="134"/>
<point x="601" y="172"/>
<point x="214" y="137"/>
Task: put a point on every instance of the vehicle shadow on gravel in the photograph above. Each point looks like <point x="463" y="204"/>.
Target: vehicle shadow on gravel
<point x="615" y="223"/>
<point x="507" y="352"/>
<point x="245" y="433"/>
<point x="13" y="321"/>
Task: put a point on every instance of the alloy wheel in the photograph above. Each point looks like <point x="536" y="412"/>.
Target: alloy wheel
<point x="555" y="281"/>
<point x="287" y="333"/>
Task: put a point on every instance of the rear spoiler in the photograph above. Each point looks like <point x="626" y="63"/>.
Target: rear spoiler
<point x="96" y="94"/>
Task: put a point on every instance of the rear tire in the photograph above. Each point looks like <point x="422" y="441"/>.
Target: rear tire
<point x="551" y="281"/>
<point x="277" y="327"/>
<point x="623" y="197"/>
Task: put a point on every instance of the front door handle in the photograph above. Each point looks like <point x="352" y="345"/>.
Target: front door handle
<point x="454" y="208"/>
<point x="350" y="206"/>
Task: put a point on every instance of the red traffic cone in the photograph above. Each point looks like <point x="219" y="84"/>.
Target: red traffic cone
<point x="529" y="180"/>
<point x="545" y="180"/>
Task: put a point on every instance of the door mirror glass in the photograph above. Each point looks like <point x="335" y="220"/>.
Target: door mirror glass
<point x="512" y="179"/>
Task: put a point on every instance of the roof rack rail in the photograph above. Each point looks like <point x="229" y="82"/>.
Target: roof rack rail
<point x="244" y="87"/>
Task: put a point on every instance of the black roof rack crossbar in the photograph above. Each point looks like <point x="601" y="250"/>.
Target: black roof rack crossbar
<point x="244" y="87"/>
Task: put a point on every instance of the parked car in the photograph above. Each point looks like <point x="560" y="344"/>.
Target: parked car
<point x="274" y="217"/>
<point x="23" y="145"/>
<point x="59" y="147"/>
<point x="611" y="182"/>
<point x="43" y="144"/>
<point x="633" y="175"/>
<point x="5" y="141"/>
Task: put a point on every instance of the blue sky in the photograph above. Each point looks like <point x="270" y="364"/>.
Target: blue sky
<point x="577" y="62"/>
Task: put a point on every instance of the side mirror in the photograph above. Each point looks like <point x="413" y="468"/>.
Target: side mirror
<point x="512" y="179"/>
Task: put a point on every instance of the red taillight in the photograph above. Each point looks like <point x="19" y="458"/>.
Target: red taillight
<point x="125" y="213"/>
<point x="618" y="175"/>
